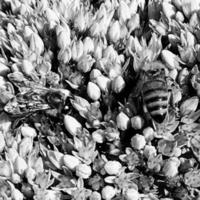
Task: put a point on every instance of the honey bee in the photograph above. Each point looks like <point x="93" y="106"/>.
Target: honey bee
<point x="153" y="88"/>
<point x="35" y="99"/>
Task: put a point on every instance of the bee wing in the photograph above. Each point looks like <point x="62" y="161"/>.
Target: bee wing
<point x="139" y="85"/>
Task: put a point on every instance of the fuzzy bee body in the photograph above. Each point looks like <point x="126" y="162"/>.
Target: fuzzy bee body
<point x="35" y="99"/>
<point x="156" y="99"/>
<point x="153" y="88"/>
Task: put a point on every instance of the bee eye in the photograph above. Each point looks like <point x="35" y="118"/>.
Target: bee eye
<point x="55" y="99"/>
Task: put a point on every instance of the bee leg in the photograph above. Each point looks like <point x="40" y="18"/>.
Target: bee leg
<point x="131" y="105"/>
<point x="173" y="106"/>
<point x="146" y="114"/>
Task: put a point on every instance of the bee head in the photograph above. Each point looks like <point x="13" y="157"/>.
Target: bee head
<point x="55" y="98"/>
<point x="155" y="69"/>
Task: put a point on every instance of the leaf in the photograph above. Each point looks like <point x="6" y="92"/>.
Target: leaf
<point x="181" y="139"/>
<point x="81" y="105"/>
<point x="195" y="146"/>
<point x="192" y="178"/>
<point x="189" y="106"/>
<point x="190" y="127"/>
<point x="44" y="180"/>
<point x="88" y="152"/>
<point x="188" y="119"/>
<point x="64" y="181"/>
<point x="127" y="180"/>
<point x="38" y="166"/>
<point x="153" y="162"/>
<point x="56" y="158"/>
<point x="167" y="147"/>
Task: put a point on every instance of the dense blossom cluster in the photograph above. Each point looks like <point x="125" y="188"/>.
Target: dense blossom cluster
<point x="68" y="127"/>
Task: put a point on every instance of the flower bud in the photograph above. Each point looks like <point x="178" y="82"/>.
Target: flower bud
<point x="52" y="18"/>
<point x="94" y="74"/>
<point x="28" y="131"/>
<point x="20" y="165"/>
<point x="17" y="195"/>
<point x="113" y="167"/>
<point x="173" y="74"/>
<point x="148" y="133"/>
<point x="112" y="134"/>
<point x="187" y="39"/>
<point x="27" y="67"/>
<point x="133" y="22"/>
<point x="70" y="161"/>
<point x="27" y="33"/>
<point x="132" y="194"/>
<point x="83" y="171"/>
<point x="16" y="178"/>
<point x="95" y="196"/>
<point x="110" y="53"/>
<point x="103" y="82"/>
<point x="30" y="174"/>
<point x="118" y="84"/>
<point x="177" y="96"/>
<point x="25" y="146"/>
<point x="138" y="142"/>
<point x="93" y="91"/>
<point x="169" y="10"/>
<point x="123" y="31"/>
<point x="36" y="44"/>
<point x="188" y="7"/>
<point x="114" y="71"/>
<point x="122" y="121"/>
<point x="114" y="32"/>
<point x="88" y="45"/>
<point x="137" y="122"/>
<point x="12" y="154"/>
<point x="80" y="22"/>
<point x="85" y="63"/>
<point x="65" y="55"/>
<point x="98" y="49"/>
<point x="15" y="6"/>
<point x="5" y="169"/>
<point x="179" y="16"/>
<point x="183" y="76"/>
<point x="10" y="28"/>
<point x="63" y="36"/>
<point x="77" y="50"/>
<point x="98" y="136"/>
<point x="187" y="55"/>
<point x="123" y="11"/>
<point x="170" y="168"/>
<point x="149" y="151"/>
<point x="2" y="142"/>
<point x="171" y="60"/>
<point x="108" y="192"/>
<point x="177" y="152"/>
<point x="3" y="82"/>
<point x="95" y="29"/>
<point x="44" y="4"/>
<point x="194" y="20"/>
<point x="158" y="26"/>
<point x="72" y="125"/>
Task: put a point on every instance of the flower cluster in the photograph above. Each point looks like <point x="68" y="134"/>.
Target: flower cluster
<point x="69" y="127"/>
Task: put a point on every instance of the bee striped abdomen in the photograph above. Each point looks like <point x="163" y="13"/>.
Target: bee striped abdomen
<point x="155" y="97"/>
